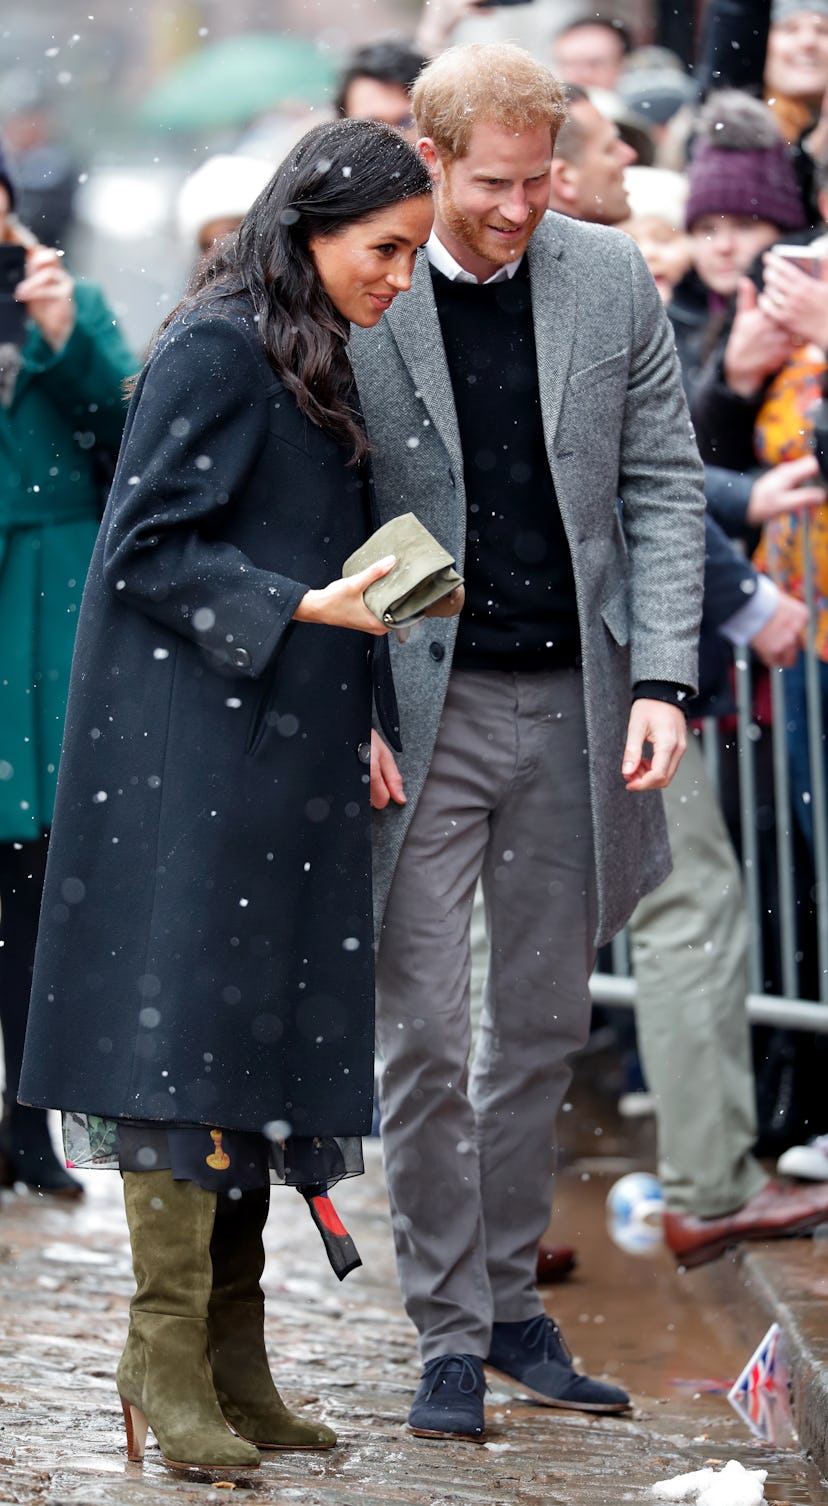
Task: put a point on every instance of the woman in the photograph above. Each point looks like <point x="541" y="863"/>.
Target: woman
<point x="204" y="973"/>
<point x="62" y="411"/>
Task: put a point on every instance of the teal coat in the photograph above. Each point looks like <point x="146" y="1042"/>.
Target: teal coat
<point x="66" y="416"/>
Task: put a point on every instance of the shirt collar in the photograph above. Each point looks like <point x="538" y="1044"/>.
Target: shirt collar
<point x="443" y="260"/>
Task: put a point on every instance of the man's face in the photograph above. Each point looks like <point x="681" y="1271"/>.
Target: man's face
<point x="597" y="176"/>
<point x="488" y="203"/>
<point x="370" y="99"/>
<point x="5" y="210"/>
<point x="591" y="56"/>
<point x="796" y="62"/>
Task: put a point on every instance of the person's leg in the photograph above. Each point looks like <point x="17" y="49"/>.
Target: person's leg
<point x="244" y="1385"/>
<point x="26" y="1150"/>
<point x="539" y="886"/>
<point x="689" y="956"/>
<point x="539" y="882"/>
<point x="164" y="1378"/>
<point x="423" y="1030"/>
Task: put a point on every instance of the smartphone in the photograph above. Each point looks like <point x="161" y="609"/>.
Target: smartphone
<point x="12" y="313"/>
<point x="807" y="258"/>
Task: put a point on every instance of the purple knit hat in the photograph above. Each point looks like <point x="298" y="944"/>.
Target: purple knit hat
<point x="761" y="184"/>
<point x="740" y="165"/>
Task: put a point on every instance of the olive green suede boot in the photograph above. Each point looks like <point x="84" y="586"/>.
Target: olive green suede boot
<point x="235" y="1325"/>
<point x="164" y="1377"/>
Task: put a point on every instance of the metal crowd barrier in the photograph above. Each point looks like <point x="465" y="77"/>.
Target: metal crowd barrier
<point x="787" y="1008"/>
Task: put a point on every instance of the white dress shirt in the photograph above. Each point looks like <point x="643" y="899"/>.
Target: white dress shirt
<point x="443" y="260"/>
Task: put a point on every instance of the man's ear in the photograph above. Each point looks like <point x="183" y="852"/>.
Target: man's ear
<point x="431" y="157"/>
<point x="563" y="177"/>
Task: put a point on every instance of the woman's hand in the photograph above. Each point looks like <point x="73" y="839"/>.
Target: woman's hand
<point x="757" y="345"/>
<point x="340" y="604"/>
<point x="795" y="300"/>
<point x="49" y="295"/>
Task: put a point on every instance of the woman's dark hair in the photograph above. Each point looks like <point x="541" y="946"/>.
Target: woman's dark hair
<point x="340" y="173"/>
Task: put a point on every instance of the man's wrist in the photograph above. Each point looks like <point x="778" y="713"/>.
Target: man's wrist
<point x="663" y="690"/>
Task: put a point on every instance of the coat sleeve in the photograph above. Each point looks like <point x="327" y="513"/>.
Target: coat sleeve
<point x="729" y="579"/>
<point x="724" y="421"/>
<point x="661" y="487"/>
<point x="86" y="379"/>
<point x="196" y="430"/>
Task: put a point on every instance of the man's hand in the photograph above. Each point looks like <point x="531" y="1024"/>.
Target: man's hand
<point x="49" y="295"/>
<point x="448" y="606"/>
<point x="779" y="643"/>
<point x="757" y="346"/>
<point x="785" y="488"/>
<point x="386" y="779"/>
<point x="662" y="726"/>
<point x="439" y="20"/>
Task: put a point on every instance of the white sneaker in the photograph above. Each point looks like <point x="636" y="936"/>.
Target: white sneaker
<point x="809" y="1161"/>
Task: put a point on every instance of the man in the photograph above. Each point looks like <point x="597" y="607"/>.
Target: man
<point x="376" y="84"/>
<point x="591" y="51"/>
<point x="689" y="936"/>
<point x="588" y="165"/>
<point x="531" y="382"/>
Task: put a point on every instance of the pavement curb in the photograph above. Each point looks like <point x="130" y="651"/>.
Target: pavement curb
<point x="789" y="1280"/>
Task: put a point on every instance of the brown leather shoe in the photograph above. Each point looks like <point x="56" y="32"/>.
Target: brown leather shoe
<point x="554" y="1263"/>
<point x="780" y="1209"/>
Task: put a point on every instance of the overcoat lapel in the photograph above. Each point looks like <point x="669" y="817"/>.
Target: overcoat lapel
<point x="554" y="314"/>
<point x="416" y="328"/>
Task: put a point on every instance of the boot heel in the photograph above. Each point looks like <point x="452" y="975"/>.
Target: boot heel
<point x="136" y="1431"/>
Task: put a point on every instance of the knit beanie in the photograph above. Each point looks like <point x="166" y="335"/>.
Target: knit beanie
<point x="740" y="165"/>
<point x="6" y="178"/>
<point x="782" y="10"/>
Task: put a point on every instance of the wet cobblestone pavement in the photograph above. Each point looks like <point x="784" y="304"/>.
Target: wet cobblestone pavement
<point x="347" y="1354"/>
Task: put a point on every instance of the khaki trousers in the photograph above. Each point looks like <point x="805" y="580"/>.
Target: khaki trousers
<point x="689" y="956"/>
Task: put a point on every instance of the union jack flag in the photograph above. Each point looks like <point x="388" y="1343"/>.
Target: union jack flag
<point x="760" y="1372"/>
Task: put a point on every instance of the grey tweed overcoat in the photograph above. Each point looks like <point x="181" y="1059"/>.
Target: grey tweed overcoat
<point x="629" y="484"/>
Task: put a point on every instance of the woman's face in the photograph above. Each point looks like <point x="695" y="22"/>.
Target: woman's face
<point x="724" y="245"/>
<point x="363" y="267"/>
<point x="796" y="62"/>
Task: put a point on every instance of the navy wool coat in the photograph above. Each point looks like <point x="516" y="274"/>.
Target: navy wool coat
<point x="205" y="951"/>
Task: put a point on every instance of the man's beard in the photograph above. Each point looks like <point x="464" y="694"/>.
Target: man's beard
<point x="475" y="234"/>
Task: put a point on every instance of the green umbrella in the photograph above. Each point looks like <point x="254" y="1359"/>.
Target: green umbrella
<point x="229" y="82"/>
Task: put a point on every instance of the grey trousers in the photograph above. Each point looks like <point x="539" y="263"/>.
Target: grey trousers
<point x="470" y="1158"/>
<point x="689" y="956"/>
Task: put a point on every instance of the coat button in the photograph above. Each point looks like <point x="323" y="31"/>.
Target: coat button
<point x="437" y="652"/>
<point x="364" y="752"/>
<point x="240" y="658"/>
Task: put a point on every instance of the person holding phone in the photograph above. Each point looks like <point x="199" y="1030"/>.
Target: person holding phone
<point x="63" y="363"/>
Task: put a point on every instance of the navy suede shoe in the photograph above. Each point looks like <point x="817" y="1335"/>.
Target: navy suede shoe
<point x="449" y="1399"/>
<point x="534" y="1356"/>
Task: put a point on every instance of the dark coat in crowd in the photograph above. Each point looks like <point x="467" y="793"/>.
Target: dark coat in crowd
<point x="205" y="952"/>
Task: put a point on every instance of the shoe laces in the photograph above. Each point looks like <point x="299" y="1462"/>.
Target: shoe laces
<point x="543" y="1333"/>
<point x="435" y="1371"/>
